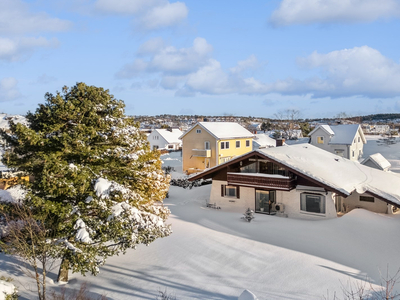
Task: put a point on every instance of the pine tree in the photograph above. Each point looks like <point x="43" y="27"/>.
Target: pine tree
<point x="94" y="177"/>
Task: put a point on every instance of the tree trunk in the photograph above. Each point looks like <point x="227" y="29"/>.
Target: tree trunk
<point x="63" y="272"/>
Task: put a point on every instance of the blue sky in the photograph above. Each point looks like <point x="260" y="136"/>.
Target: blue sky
<point x="257" y="58"/>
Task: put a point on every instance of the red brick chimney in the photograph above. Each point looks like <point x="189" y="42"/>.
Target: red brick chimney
<point x="280" y="142"/>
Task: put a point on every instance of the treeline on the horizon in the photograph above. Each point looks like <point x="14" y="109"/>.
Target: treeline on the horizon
<point x="373" y="117"/>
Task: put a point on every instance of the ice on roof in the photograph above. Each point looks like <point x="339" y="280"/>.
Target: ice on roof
<point x="226" y="130"/>
<point x="170" y="135"/>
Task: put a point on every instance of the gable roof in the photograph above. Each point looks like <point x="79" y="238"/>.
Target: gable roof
<point x="223" y="130"/>
<point x="379" y="160"/>
<point x="325" y="128"/>
<point x="343" y="134"/>
<point x="333" y="172"/>
<point x="170" y="136"/>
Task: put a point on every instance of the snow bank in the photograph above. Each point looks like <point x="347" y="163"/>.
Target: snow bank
<point x="6" y="288"/>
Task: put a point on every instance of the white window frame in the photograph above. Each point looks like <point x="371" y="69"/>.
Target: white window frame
<point x="198" y="130"/>
<point x="237" y="144"/>
<point x="247" y="143"/>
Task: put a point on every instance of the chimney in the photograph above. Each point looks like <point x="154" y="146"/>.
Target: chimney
<point x="280" y="142"/>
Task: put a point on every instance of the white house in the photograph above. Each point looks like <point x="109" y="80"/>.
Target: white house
<point x="165" y="139"/>
<point x="344" y="140"/>
<point x="300" y="181"/>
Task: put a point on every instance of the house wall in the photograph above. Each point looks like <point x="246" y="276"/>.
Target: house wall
<point x="193" y="140"/>
<point x="372" y="164"/>
<point x="353" y="201"/>
<point x="291" y="200"/>
<point x="357" y="147"/>
<point x="155" y="139"/>
<point x="233" y="151"/>
<point x="314" y="139"/>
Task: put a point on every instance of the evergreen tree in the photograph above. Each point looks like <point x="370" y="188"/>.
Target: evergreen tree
<point x="94" y="177"/>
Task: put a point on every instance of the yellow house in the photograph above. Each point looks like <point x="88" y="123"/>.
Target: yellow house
<point x="208" y="144"/>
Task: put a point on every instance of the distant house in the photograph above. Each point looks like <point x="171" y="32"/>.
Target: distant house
<point x="377" y="161"/>
<point x="207" y="144"/>
<point x="262" y="140"/>
<point x="300" y="181"/>
<point x="344" y="140"/>
<point x="165" y="139"/>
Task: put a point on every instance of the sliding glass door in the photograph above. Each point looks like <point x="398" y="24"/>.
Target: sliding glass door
<point x="265" y="201"/>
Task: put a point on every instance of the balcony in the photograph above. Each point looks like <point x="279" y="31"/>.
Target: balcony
<point x="201" y="152"/>
<point x="260" y="180"/>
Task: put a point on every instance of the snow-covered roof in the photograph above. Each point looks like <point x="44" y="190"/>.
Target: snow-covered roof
<point x="264" y="140"/>
<point x="379" y="160"/>
<point x="223" y="130"/>
<point x="337" y="173"/>
<point x="343" y="134"/>
<point x="171" y="136"/>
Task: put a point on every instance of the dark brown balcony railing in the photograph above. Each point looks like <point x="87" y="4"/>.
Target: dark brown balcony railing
<point x="262" y="180"/>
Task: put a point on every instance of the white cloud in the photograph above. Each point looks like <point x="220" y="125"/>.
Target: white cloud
<point x="148" y="14"/>
<point x="151" y="46"/>
<point x="357" y="71"/>
<point x="15" y="18"/>
<point x="166" y="15"/>
<point x="8" y="89"/>
<point x="242" y="65"/>
<point x="360" y="71"/>
<point x="169" y="60"/>
<point x="19" y="48"/>
<point x="333" y="11"/>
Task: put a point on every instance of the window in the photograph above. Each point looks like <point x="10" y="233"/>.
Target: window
<point x="198" y="130"/>
<point x="320" y="139"/>
<point x="230" y="191"/>
<point x="247" y="143"/>
<point x="207" y="145"/>
<point x="353" y="153"/>
<point x="224" y="145"/>
<point x="354" y="140"/>
<point x="339" y="152"/>
<point x="367" y="199"/>
<point x="237" y="144"/>
<point x="358" y="139"/>
<point x="314" y="203"/>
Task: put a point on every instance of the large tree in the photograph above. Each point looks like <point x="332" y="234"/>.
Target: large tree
<point x="94" y="177"/>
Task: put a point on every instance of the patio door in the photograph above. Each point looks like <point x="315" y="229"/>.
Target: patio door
<point x="265" y="201"/>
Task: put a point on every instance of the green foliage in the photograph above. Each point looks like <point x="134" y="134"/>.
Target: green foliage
<point x="77" y="137"/>
<point x="305" y="128"/>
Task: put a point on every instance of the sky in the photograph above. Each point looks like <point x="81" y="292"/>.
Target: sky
<point x="241" y="58"/>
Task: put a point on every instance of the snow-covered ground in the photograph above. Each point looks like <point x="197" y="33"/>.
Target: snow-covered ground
<point x="214" y="254"/>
